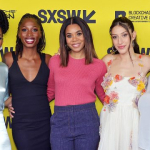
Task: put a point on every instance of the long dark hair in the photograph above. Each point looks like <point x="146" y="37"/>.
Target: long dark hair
<point x="126" y="24"/>
<point x="89" y="46"/>
<point x="42" y="41"/>
<point x="4" y="24"/>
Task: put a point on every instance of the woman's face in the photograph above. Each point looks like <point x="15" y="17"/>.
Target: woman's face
<point x="121" y="39"/>
<point x="1" y="37"/>
<point x="29" y="33"/>
<point x="75" y="38"/>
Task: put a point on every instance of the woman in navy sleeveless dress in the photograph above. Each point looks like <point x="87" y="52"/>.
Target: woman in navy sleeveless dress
<point x="28" y="76"/>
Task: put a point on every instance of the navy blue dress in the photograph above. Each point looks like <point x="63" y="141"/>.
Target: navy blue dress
<point x="31" y="122"/>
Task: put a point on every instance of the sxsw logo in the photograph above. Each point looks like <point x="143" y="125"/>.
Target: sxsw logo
<point x="10" y="13"/>
<point x="120" y="14"/>
<point x="58" y="16"/>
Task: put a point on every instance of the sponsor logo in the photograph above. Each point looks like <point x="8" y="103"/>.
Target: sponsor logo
<point x="10" y="13"/>
<point x="120" y="14"/>
<point x="58" y="16"/>
<point x="135" y="15"/>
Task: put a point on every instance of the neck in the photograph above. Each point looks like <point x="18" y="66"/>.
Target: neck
<point x="77" y="55"/>
<point x="29" y="53"/>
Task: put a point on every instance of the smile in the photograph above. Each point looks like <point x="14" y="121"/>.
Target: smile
<point x="29" y="41"/>
<point x="121" y="47"/>
<point x="75" y="45"/>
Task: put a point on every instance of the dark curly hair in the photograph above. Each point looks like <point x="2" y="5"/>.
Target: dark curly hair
<point x="4" y="24"/>
<point x="42" y="41"/>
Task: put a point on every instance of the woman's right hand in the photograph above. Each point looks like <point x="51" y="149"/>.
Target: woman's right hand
<point x="8" y="103"/>
<point x="58" y="52"/>
<point x="11" y="110"/>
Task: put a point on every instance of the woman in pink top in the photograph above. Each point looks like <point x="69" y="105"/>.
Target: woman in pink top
<point x="75" y="76"/>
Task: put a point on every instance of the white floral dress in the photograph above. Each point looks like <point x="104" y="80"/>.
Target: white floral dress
<point x="119" y="117"/>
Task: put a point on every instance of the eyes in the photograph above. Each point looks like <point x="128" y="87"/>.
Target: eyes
<point x="116" y="36"/>
<point x="1" y="38"/>
<point x="78" y="34"/>
<point x="33" y="30"/>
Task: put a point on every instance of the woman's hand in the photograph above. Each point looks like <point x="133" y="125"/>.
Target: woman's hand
<point x="11" y="110"/>
<point x="58" y="52"/>
<point x="8" y="103"/>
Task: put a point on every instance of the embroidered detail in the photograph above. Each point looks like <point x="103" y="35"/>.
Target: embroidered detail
<point x="111" y="100"/>
<point x="135" y="101"/>
<point x="118" y="78"/>
<point x="107" y="81"/>
<point x="106" y="99"/>
<point x="141" y="65"/>
<point x="133" y="81"/>
<point x="141" y="86"/>
<point x="109" y="63"/>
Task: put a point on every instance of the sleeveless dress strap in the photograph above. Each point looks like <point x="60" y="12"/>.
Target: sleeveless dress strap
<point x="42" y="55"/>
<point x="14" y="56"/>
<point x="109" y="63"/>
<point x="141" y="65"/>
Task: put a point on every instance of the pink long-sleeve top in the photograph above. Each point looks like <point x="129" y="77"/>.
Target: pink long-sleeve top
<point x="77" y="83"/>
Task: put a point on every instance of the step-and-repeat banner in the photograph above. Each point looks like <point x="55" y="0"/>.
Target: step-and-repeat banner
<point x="97" y="13"/>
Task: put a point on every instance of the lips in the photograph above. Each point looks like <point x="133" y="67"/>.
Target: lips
<point x="29" y="40"/>
<point x="121" y="47"/>
<point x="76" y="45"/>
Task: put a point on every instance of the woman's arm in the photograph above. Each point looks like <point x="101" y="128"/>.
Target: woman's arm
<point x="98" y="88"/>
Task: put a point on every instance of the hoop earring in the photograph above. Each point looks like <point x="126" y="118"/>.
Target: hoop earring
<point x="67" y="47"/>
<point x="114" y="50"/>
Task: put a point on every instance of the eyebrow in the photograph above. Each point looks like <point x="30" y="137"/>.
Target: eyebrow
<point x="76" y="32"/>
<point x="33" y="26"/>
<point x="121" y="33"/>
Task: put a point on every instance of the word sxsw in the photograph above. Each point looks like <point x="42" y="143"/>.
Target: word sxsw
<point x="59" y="16"/>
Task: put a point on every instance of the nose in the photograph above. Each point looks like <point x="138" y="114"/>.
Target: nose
<point x="120" y="40"/>
<point x="74" y="38"/>
<point x="29" y="33"/>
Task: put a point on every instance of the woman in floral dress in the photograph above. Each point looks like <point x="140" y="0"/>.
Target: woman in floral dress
<point x="123" y="83"/>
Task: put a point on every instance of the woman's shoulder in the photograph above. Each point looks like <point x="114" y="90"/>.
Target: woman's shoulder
<point x="99" y="64"/>
<point x="145" y="59"/>
<point x="8" y="59"/>
<point x="98" y="61"/>
<point x="3" y="65"/>
<point x="109" y="57"/>
<point x="54" y="61"/>
<point x="47" y="58"/>
<point x="55" y="58"/>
